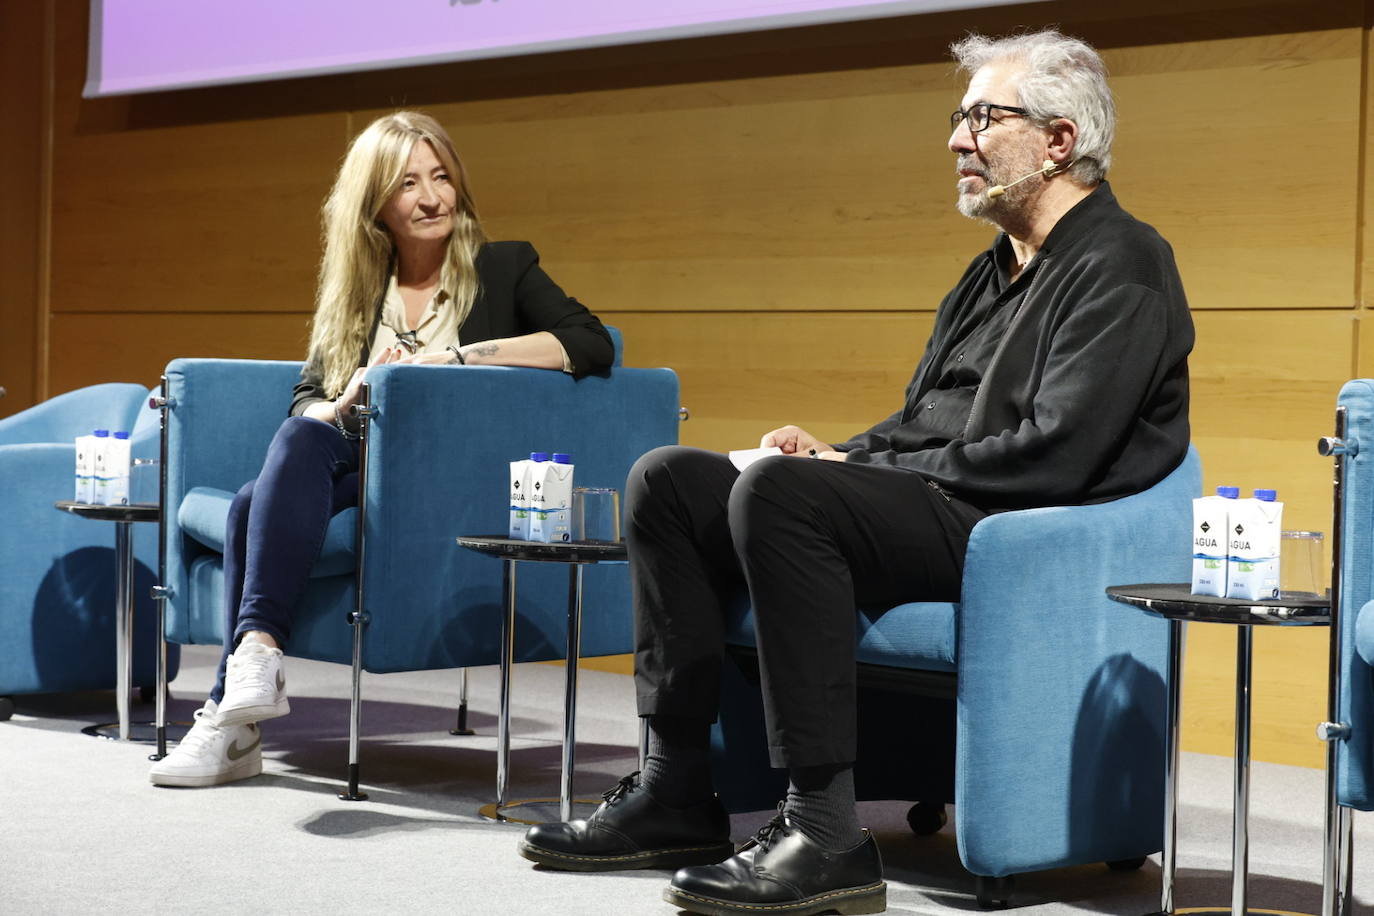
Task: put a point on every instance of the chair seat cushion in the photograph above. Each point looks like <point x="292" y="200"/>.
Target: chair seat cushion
<point x="919" y="635"/>
<point x="205" y="510"/>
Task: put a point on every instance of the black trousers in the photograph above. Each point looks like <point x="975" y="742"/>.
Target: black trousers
<point x="810" y="541"/>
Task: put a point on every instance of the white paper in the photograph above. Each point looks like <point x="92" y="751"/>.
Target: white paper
<point x="741" y="458"/>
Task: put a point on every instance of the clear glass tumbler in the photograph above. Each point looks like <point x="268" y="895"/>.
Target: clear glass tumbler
<point x="596" y="515"/>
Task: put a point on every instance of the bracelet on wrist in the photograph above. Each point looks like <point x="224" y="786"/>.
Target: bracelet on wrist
<point x="339" y="423"/>
<point x="457" y="355"/>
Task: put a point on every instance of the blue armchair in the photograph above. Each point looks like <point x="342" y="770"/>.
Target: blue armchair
<point x="1035" y="703"/>
<point x="427" y="603"/>
<point x="57" y="571"/>
<point x="1350" y="730"/>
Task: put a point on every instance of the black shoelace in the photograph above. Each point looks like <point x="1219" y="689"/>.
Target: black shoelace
<point x="772" y="831"/>
<point x="621" y="789"/>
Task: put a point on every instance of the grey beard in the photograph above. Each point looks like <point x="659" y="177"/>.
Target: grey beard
<point x="980" y="206"/>
<point x="974" y="206"/>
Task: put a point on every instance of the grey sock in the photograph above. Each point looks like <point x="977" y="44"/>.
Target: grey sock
<point x="677" y="768"/>
<point x="820" y="802"/>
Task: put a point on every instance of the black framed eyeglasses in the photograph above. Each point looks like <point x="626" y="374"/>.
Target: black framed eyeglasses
<point x="980" y="115"/>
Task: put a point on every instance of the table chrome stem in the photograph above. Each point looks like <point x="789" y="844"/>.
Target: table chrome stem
<point x="1169" y="857"/>
<point x="565" y="795"/>
<point x="1240" y="823"/>
<point x="503" y="716"/>
<point x="124" y="617"/>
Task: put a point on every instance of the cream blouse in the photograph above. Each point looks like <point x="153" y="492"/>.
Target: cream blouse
<point x="435" y="332"/>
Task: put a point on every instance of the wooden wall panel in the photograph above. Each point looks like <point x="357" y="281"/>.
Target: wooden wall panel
<point x="221" y="216"/>
<point x="1264" y="390"/>
<point x="807" y="192"/>
<point x="134" y="347"/>
<point x="1256" y="224"/>
<point x="743" y="374"/>
<point x="23" y="42"/>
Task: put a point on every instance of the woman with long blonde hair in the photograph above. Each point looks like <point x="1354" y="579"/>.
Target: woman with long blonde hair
<point x="408" y="276"/>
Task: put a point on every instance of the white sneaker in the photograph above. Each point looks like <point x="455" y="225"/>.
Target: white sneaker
<point x="254" y="686"/>
<point x="210" y="754"/>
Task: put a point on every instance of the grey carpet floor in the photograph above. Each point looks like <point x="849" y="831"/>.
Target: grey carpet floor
<point x="82" y="831"/>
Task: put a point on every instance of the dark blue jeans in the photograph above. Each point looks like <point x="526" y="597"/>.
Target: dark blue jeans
<point x="276" y="527"/>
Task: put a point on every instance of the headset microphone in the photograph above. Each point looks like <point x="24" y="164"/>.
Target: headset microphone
<point x="1047" y="169"/>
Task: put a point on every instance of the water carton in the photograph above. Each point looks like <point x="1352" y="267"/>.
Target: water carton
<point x="85" y="469"/>
<point x="551" y="501"/>
<point x="1256" y="541"/>
<point x="1211" y="515"/>
<point x="98" y="472"/>
<point x="117" y="469"/>
<point x="521" y="481"/>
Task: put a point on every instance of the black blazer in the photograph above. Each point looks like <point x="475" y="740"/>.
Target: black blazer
<point x="516" y="297"/>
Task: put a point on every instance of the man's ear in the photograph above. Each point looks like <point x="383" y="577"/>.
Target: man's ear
<point x="1062" y="141"/>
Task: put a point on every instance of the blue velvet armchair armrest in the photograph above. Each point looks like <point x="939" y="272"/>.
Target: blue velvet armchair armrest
<point x="1061" y="692"/>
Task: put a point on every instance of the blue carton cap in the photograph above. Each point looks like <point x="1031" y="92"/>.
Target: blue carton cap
<point x="561" y="458"/>
<point x="539" y="456"/>
<point x="102" y="433"/>
<point x="1229" y="492"/>
<point x="1267" y="495"/>
<point x="122" y="434"/>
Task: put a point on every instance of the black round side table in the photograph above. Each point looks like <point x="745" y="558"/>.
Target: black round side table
<point x="123" y="517"/>
<point x="1175" y="603"/>
<point x="575" y="555"/>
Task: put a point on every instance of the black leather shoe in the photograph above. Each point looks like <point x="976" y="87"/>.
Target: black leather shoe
<point x="782" y="871"/>
<point x="633" y="830"/>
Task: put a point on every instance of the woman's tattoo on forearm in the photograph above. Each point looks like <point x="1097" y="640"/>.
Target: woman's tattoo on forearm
<point x="484" y="349"/>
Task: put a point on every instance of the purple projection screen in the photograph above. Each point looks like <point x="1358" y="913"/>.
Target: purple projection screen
<point x="147" y="45"/>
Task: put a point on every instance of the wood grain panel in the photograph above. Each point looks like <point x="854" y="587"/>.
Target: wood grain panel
<point x="1264" y="388"/>
<point x="833" y="191"/>
<point x="743" y="374"/>
<point x="1227" y="183"/>
<point x="221" y="216"/>
<point x="115" y="347"/>
<point x="788" y="193"/>
<point x="22" y="69"/>
<point x="1288" y="692"/>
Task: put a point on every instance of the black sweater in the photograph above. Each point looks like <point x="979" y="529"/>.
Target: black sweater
<point x="516" y="297"/>
<point x="1086" y="398"/>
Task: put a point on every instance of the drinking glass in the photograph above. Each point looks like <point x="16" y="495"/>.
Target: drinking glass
<point x="596" y="515"/>
<point x="1302" y="572"/>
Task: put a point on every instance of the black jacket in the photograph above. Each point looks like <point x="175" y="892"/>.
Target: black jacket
<point x="1086" y="399"/>
<point x="516" y="297"/>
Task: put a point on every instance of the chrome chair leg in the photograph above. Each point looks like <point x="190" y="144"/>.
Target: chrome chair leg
<point x="461" y="728"/>
<point x="359" y="620"/>
<point x="161" y="592"/>
<point x="1336" y="856"/>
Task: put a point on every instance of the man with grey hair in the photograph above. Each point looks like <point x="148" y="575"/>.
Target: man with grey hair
<point x="1056" y="374"/>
